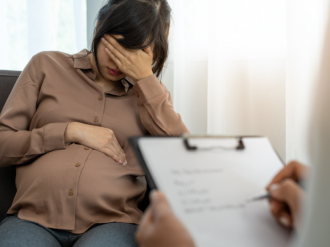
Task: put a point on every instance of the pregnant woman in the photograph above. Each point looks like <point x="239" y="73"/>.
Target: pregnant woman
<point x="65" y="128"/>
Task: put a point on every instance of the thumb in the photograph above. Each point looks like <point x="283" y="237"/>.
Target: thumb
<point x="159" y="205"/>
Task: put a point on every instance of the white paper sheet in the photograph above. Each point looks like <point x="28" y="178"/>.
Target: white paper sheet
<point x="207" y="190"/>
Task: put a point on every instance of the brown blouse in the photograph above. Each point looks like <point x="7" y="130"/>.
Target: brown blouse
<point x="66" y="185"/>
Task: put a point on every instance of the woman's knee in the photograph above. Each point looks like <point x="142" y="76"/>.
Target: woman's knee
<point x="15" y="232"/>
<point x="110" y="234"/>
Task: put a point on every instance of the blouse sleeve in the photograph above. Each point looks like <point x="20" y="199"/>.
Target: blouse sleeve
<point x="156" y="109"/>
<point x="18" y="145"/>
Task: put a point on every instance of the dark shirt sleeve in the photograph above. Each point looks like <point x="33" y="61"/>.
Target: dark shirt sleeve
<point x="156" y="108"/>
<point x="18" y="145"/>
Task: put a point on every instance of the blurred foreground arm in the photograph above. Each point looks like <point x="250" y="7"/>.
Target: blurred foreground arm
<point x="287" y="195"/>
<point x="159" y="226"/>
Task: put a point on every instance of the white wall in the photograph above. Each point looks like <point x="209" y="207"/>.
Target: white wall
<point x="93" y="7"/>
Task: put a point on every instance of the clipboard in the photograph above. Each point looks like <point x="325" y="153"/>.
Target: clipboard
<point x="151" y="184"/>
<point x="240" y="218"/>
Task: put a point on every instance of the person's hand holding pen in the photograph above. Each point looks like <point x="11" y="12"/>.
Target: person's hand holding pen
<point x="287" y="194"/>
<point x="160" y="227"/>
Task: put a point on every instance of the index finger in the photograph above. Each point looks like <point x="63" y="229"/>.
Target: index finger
<point x="294" y="170"/>
<point x="116" y="45"/>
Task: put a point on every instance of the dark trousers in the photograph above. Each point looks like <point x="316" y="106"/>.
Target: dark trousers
<point x="15" y="232"/>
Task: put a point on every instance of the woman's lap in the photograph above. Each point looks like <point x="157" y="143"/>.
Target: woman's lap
<point x="15" y="232"/>
<point x="110" y="235"/>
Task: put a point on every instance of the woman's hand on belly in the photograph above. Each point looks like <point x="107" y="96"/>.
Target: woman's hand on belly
<point x="98" y="138"/>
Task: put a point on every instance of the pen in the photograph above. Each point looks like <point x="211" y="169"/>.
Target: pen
<point x="259" y="197"/>
<point x="267" y="195"/>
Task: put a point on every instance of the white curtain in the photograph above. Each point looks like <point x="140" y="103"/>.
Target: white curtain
<point x="31" y="26"/>
<point x="246" y="68"/>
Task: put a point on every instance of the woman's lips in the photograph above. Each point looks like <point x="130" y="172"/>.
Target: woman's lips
<point x="114" y="72"/>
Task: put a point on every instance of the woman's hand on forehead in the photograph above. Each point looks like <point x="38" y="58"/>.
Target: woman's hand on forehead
<point x="136" y="64"/>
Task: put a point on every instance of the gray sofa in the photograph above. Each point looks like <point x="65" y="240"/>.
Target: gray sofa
<point x="7" y="174"/>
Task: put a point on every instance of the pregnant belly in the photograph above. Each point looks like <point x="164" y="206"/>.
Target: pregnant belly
<point x="99" y="183"/>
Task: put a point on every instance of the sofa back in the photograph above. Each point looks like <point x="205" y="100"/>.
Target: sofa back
<point x="7" y="174"/>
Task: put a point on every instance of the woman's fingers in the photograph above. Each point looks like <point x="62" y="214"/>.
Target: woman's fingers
<point x="101" y="139"/>
<point x="113" y="57"/>
<point x="114" y="43"/>
<point x="116" y="56"/>
<point x="120" y="152"/>
<point x="113" y="148"/>
<point x="113" y="153"/>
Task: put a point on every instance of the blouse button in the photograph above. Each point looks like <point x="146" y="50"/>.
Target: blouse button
<point x="100" y="98"/>
<point x="78" y="164"/>
<point x="96" y="120"/>
<point x="70" y="193"/>
<point x="86" y="148"/>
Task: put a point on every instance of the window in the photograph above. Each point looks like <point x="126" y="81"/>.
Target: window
<point x="28" y="27"/>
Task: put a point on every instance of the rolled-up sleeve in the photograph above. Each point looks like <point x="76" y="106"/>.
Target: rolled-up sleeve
<point x="156" y="108"/>
<point x="18" y="145"/>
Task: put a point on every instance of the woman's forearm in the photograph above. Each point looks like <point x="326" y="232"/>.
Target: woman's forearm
<point x="156" y="109"/>
<point x="22" y="146"/>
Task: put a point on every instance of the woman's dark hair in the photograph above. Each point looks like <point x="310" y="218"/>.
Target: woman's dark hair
<point x="138" y="21"/>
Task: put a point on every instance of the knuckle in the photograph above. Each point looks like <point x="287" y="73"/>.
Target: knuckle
<point x="103" y="144"/>
<point x="293" y="163"/>
<point x="114" y="157"/>
<point x="110" y="154"/>
<point x="288" y="188"/>
<point x="287" y="183"/>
